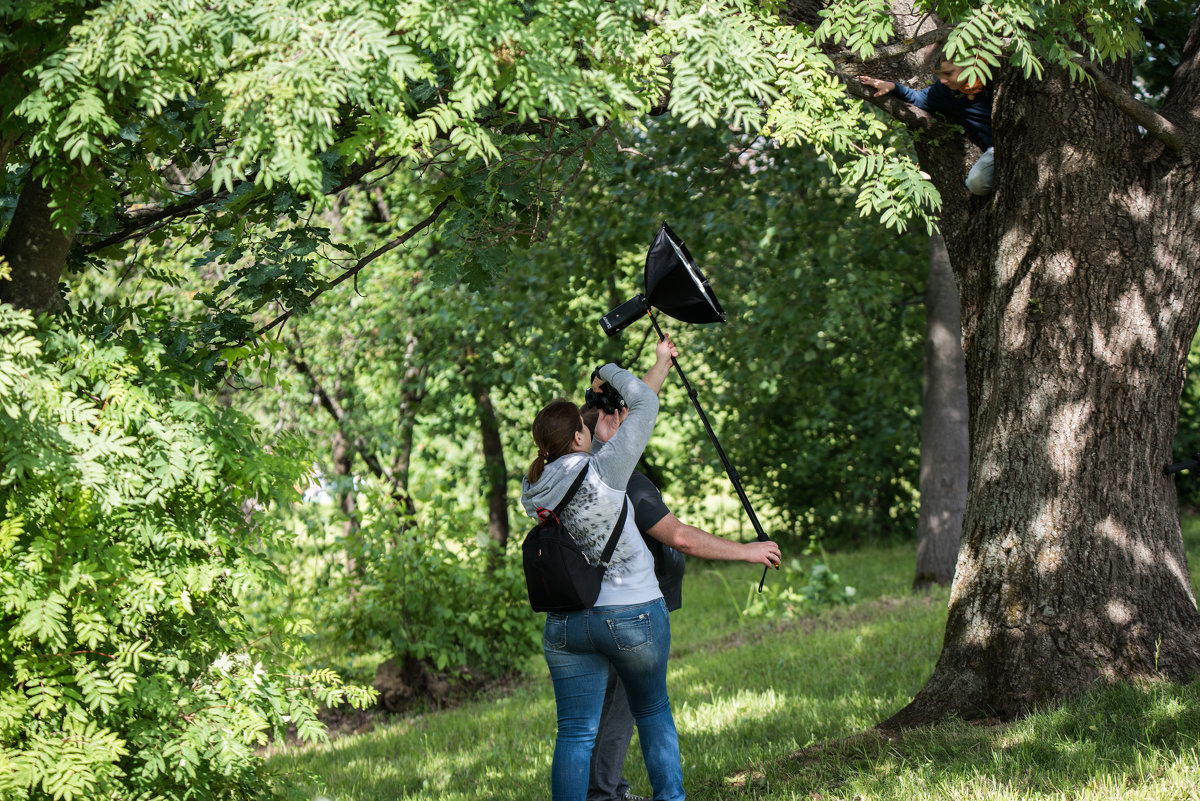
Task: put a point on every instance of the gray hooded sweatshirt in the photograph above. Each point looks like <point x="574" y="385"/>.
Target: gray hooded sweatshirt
<point x="593" y="511"/>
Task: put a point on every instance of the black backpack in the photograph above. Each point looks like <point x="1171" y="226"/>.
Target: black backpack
<point x="558" y="575"/>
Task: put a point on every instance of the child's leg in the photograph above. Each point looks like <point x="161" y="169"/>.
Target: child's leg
<point x="979" y="179"/>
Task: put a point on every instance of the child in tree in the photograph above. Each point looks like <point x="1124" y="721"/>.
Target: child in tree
<point x="969" y="105"/>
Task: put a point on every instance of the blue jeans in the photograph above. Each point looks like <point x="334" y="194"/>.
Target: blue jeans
<point x="579" y="648"/>
<point x="980" y="178"/>
<point x="605" y="782"/>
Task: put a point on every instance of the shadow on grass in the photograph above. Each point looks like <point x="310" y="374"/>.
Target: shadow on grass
<point x="1114" y="739"/>
<point x="477" y="751"/>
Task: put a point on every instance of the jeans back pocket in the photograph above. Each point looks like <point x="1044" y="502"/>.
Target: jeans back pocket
<point x="631" y="633"/>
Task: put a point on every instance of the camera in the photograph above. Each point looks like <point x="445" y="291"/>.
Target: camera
<point x="607" y="400"/>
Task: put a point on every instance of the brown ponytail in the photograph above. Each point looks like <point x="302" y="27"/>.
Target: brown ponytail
<point x="554" y="431"/>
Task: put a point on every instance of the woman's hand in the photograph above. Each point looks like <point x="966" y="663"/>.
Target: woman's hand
<point x="597" y="382"/>
<point x="607" y="425"/>
<point x="664" y="351"/>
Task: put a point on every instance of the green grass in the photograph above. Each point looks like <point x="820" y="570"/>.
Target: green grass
<point x="783" y="710"/>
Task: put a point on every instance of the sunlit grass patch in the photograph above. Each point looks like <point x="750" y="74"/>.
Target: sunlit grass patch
<point x="784" y="709"/>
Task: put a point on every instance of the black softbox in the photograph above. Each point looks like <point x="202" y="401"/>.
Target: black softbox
<point x="674" y="285"/>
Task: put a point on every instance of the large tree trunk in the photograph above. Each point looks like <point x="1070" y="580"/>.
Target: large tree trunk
<point x="1078" y="283"/>
<point x="944" y="450"/>
<point x="36" y="252"/>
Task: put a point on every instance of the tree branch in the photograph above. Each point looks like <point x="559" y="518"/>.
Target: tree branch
<point x="1183" y="96"/>
<point x="901" y="48"/>
<point x="339" y="417"/>
<point x="359" y="443"/>
<point x="325" y="399"/>
<point x="364" y="261"/>
<point x="144" y="220"/>
<point x="1155" y="124"/>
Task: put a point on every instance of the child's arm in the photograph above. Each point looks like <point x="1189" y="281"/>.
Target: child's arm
<point x="915" y="97"/>
<point x="881" y="87"/>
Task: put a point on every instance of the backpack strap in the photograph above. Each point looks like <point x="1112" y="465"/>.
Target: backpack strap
<point x="572" y="490"/>
<point x="611" y="545"/>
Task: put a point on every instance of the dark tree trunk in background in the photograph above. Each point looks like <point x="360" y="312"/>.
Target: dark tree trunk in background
<point x="944" y="451"/>
<point x="411" y="393"/>
<point x="495" y="471"/>
<point x="344" y="447"/>
<point x="342" y="456"/>
<point x="1078" y="280"/>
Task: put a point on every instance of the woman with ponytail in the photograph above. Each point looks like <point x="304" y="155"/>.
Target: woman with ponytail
<point x="556" y="432"/>
<point x="628" y="628"/>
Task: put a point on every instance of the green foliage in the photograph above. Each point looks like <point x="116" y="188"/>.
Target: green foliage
<point x="720" y="71"/>
<point x="217" y="121"/>
<point x="133" y="519"/>
<point x="889" y="186"/>
<point x="824" y="588"/>
<point x="440" y="594"/>
<point x="858" y="24"/>
<point x="781" y="599"/>
<point x="229" y="124"/>
<point x="430" y="591"/>
<point x="126" y="544"/>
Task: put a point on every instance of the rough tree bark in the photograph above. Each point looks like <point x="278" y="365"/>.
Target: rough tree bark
<point x="1078" y="281"/>
<point x="36" y="252"/>
<point x="944" y="449"/>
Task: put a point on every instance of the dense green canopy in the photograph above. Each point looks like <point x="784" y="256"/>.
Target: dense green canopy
<point x="181" y="178"/>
